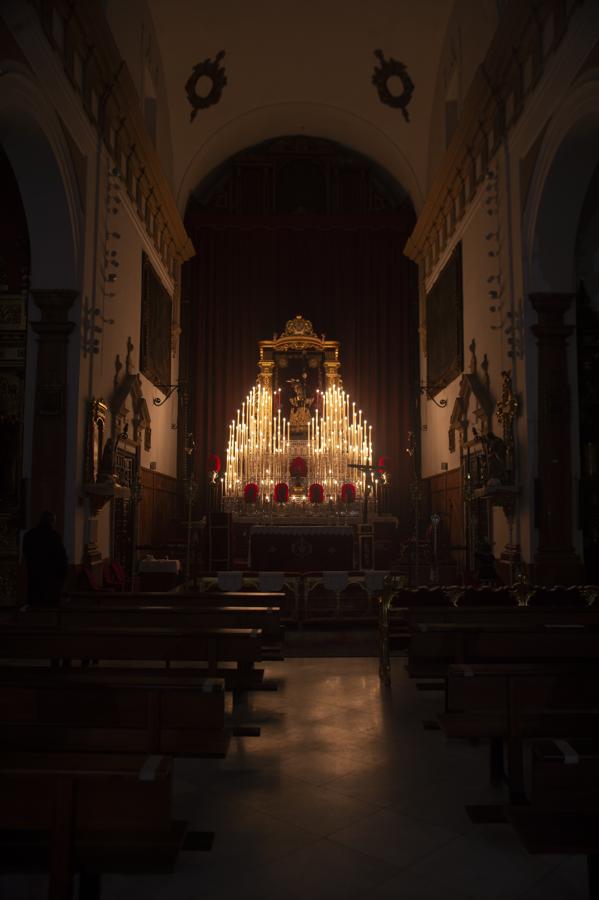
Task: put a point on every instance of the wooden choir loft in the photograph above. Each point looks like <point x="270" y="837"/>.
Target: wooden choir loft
<point x="299" y="494"/>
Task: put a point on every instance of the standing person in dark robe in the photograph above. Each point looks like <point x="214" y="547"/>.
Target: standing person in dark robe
<point x="46" y="561"/>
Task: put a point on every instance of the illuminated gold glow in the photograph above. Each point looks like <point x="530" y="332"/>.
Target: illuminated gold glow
<point x="261" y="445"/>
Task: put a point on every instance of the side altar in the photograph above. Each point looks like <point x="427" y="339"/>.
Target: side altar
<point x="300" y="457"/>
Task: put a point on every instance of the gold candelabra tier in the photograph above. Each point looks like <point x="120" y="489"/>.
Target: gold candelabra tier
<point x="258" y="446"/>
<point x="262" y="444"/>
<point x="337" y="439"/>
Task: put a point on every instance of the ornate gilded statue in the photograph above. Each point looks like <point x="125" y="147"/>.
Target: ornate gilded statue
<point x="300" y="402"/>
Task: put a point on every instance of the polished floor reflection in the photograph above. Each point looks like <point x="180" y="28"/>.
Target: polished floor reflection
<point x="345" y="797"/>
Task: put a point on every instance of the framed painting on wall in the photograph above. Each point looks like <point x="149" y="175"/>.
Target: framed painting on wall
<point x="156" y="320"/>
<point x="445" y="325"/>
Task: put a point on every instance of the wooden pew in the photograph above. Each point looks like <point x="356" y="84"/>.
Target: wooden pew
<point x="93" y="813"/>
<point x="72" y="614"/>
<point x="435" y="646"/>
<point x="399" y="605"/>
<point x="120" y="709"/>
<point x="501" y="615"/>
<point x="194" y="598"/>
<point x="565" y="774"/>
<point x="514" y="702"/>
<point x="200" y="646"/>
<point x="83" y="710"/>
<point x="563" y="815"/>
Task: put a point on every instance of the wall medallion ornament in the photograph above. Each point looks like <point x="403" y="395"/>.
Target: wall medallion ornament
<point x="208" y="68"/>
<point x="387" y="69"/>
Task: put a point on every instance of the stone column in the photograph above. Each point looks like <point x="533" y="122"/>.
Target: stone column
<point x="555" y="560"/>
<point x="48" y="465"/>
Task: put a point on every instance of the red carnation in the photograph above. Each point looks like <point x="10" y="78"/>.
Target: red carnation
<point x="214" y="463"/>
<point x="384" y="462"/>
<point x="281" y="492"/>
<point x="316" y="493"/>
<point x="348" y="492"/>
<point x="298" y="466"/>
<point x="250" y="492"/>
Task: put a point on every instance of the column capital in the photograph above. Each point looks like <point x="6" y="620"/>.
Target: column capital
<point x="50" y="330"/>
<point x="54" y="303"/>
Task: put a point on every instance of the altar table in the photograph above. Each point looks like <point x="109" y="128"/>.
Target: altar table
<point x="301" y="548"/>
<point x="158" y="574"/>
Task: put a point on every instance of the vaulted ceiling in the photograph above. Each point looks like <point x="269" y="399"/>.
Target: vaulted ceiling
<point x="305" y="68"/>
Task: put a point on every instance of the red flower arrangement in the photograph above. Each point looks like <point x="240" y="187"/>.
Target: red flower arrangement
<point x="214" y="463"/>
<point x="298" y="467"/>
<point x="281" y="492"/>
<point x="250" y="492"/>
<point x="384" y="462"/>
<point x="348" y="492"/>
<point x="316" y="493"/>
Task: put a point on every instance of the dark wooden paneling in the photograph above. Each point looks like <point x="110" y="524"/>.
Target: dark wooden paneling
<point x="444" y="494"/>
<point x="159" y="514"/>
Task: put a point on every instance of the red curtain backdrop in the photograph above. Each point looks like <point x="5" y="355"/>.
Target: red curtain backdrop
<point x="354" y="284"/>
<point x="274" y="240"/>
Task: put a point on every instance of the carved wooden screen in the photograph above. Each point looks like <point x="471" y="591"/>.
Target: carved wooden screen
<point x="444" y="325"/>
<point x="156" y="315"/>
<point x="122" y="548"/>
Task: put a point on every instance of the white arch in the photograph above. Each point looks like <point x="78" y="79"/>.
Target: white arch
<point x="313" y="119"/>
<point x="31" y="137"/>
<point x="33" y="140"/>
<point x="567" y="159"/>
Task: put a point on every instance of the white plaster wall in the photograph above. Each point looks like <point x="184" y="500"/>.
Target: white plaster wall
<point x="469" y="33"/>
<point x="133" y="30"/>
<point x="99" y="369"/>
<point x="550" y="112"/>
<point x="46" y="97"/>
<point x="480" y="323"/>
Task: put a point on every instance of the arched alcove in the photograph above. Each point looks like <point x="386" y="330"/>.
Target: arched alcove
<point x="326" y="244"/>
<point x="31" y="138"/>
<point x="566" y="161"/>
<point x="33" y="141"/>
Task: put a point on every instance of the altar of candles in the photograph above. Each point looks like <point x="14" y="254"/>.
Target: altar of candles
<point x="338" y="437"/>
<point x="261" y="445"/>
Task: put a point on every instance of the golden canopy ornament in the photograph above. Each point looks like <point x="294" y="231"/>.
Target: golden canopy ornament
<point x="298" y="409"/>
<point x="299" y="326"/>
<point x="299" y="337"/>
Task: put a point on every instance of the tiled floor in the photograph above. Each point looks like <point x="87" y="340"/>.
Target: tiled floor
<point x="344" y="797"/>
